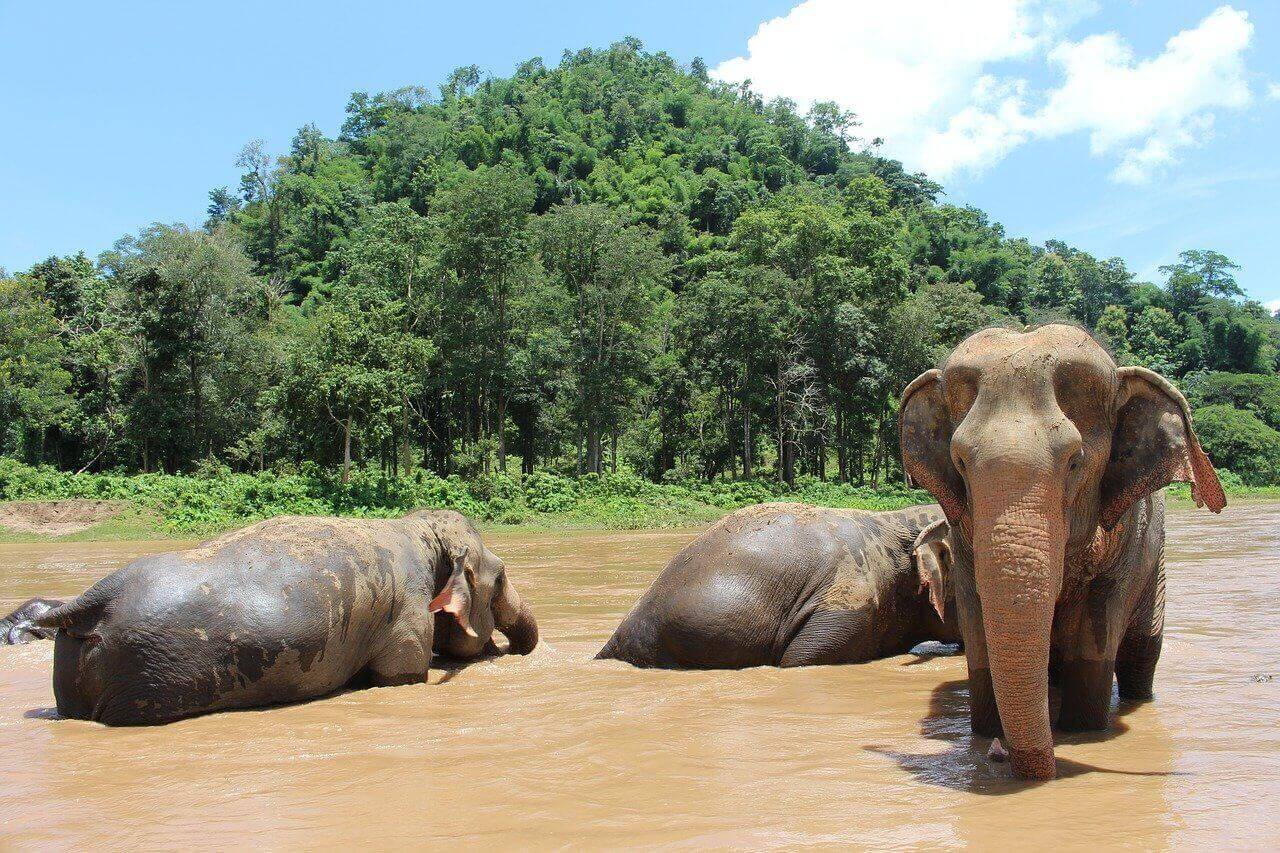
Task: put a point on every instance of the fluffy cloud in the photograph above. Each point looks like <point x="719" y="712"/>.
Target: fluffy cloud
<point x="1273" y="306"/>
<point x="1273" y="91"/>
<point x="924" y="75"/>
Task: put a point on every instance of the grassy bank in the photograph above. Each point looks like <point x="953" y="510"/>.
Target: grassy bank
<point x="1180" y="494"/>
<point x="168" y="506"/>
<point x="191" y="506"/>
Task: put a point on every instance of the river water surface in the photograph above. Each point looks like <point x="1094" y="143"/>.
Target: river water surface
<point x="559" y="750"/>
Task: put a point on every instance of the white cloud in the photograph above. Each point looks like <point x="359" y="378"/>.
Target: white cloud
<point x="1273" y="306"/>
<point x="1273" y="91"/>
<point x="930" y="77"/>
<point x="1148" y="109"/>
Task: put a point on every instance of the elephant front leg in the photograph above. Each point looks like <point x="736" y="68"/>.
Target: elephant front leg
<point x="984" y="715"/>
<point x="1140" y="649"/>
<point x="1087" y="637"/>
<point x="1086" y="693"/>
<point x="1136" y="670"/>
<point x="406" y="657"/>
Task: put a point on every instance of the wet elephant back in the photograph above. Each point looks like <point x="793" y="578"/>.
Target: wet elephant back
<point x="281" y="611"/>
<point x="735" y="596"/>
<point x="873" y="552"/>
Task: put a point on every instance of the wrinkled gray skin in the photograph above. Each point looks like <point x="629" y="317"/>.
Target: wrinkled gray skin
<point x="283" y="611"/>
<point x="19" y="626"/>
<point x="788" y="584"/>
<point x="1047" y="459"/>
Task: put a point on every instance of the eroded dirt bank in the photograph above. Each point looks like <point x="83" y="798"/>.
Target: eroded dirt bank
<point x="57" y="518"/>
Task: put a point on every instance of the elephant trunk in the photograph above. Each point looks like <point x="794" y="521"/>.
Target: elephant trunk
<point x="514" y="618"/>
<point x="1019" y="543"/>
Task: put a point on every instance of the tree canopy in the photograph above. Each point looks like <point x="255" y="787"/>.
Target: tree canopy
<point x="609" y="262"/>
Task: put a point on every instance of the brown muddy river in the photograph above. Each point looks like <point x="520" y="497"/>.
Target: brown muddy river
<point x="559" y="750"/>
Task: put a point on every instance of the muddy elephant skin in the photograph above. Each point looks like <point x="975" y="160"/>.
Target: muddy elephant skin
<point x="1047" y="459"/>
<point x="19" y="626"/>
<point x="285" y="610"/>
<point x="788" y="584"/>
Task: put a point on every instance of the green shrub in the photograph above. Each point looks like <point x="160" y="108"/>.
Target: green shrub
<point x="218" y="500"/>
<point x="1251" y="392"/>
<point x="1238" y="440"/>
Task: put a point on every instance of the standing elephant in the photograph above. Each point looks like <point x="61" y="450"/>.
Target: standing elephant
<point x="1046" y="459"/>
<point x="19" y="626"/>
<point x="282" y="611"/>
<point x="788" y="584"/>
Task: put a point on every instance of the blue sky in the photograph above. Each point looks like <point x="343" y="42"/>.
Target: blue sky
<point x="1135" y="128"/>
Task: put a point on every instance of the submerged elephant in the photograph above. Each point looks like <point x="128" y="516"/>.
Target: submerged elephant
<point x="1047" y="460"/>
<point x="19" y="626"/>
<point x="285" y="610"/>
<point x="794" y="585"/>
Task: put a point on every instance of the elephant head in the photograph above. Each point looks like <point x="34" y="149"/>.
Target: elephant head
<point x="1031" y="442"/>
<point x="473" y="588"/>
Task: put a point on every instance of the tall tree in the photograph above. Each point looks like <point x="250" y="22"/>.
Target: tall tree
<point x="182" y="300"/>
<point x="33" y="385"/>
<point x="613" y="277"/>
<point x="356" y="366"/>
<point x="482" y="216"/>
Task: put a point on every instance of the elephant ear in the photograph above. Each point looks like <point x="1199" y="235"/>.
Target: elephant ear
<point x="924" y="430"/>
<point x="1153" y="445"/>
<point x="455" y="598"/>
<point x="931" y="554"/>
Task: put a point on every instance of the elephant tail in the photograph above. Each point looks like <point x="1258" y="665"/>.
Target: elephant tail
<point x="82" y="614"/>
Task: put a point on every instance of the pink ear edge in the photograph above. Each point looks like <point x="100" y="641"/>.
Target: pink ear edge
<point x="1206" y="488"/>
<point x="441" y="601"/>
<point x="936" y="596"/>
<point x="939" y="603"/>
<point x="444" y="602"/>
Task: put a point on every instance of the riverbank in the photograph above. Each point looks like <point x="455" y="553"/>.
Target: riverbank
<point x="151" y="506"/>
<point x="44" y="504"/>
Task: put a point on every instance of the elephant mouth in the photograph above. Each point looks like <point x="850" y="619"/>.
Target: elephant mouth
<point x="452" y="641"/>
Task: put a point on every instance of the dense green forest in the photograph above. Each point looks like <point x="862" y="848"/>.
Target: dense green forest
<point x="612" y="264"/>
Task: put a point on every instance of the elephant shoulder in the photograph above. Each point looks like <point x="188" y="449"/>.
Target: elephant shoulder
<point x="779" y="529"/>
<point x="769" y="549"/>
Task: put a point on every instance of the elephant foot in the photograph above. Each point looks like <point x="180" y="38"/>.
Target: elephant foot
<point x="1084" y="718"/>
<point x="1137" y="694"/>
<point x="1035" y="764"/>
<point x="1136" y="681"/>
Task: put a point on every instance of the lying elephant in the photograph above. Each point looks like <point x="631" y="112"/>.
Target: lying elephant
<point x="788" y="584"/>
<point x="285" y="610"/>
<point x="19" y="626"/>
<point x="1047" y="460"/>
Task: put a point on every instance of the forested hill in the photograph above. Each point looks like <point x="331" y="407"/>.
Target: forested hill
<point x="613" y="262"/>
